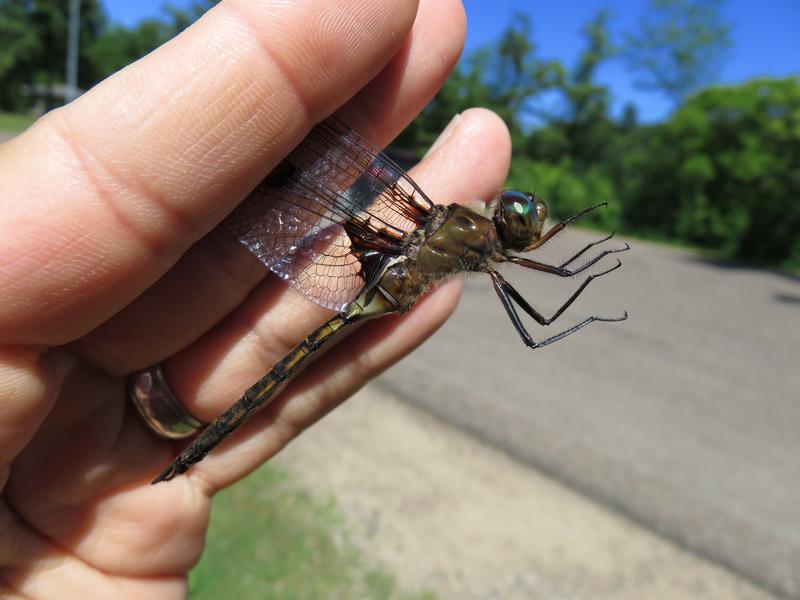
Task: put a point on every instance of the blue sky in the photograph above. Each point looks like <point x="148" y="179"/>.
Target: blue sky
<point x="766" y="36"/>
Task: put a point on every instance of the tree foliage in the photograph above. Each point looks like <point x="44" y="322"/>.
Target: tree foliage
<point x="34" y="43"/>
<point x="679" y="46"/>
<point x="718" y="173"/>
<point x="722" y="173"/>
<point x="506" y="77"/>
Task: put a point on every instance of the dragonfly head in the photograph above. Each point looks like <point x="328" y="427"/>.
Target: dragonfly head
<point x="519" y="219"/>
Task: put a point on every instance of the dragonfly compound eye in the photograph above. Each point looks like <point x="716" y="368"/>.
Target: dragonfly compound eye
<point x="519" y="218"/>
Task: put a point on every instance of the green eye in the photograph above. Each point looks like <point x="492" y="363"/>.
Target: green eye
<point x="516" y="202"/>
<point x="518" y="218"/>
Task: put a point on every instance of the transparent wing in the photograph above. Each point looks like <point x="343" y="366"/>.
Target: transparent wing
<point x="334" y="197"/>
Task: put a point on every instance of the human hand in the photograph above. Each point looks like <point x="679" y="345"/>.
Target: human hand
<point x="111" y="261"/>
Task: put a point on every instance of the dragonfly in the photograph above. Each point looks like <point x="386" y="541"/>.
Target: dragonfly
<point x="346" y="227"/>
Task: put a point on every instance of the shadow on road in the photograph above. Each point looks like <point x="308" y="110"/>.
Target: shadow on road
<point x="732" y="265"/>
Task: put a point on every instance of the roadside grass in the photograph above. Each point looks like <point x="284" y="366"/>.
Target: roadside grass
<point x="270" y="538"/>
<point x="14" y="123"/>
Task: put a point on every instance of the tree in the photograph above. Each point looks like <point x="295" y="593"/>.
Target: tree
<point x="119" y="46"/>
<point x="504" y="76"/>
<point x="34" y="41"/>
<point x="574" y="153"/>
<point x="35" y="52"/>
<point x="680" y="46"/>
<point x="20" y="44"/>
<point x="581" y="129"/>
<point x="722" y="173"/>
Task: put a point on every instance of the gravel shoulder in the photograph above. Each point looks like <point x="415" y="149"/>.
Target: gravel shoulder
<point x="445" y="512"/>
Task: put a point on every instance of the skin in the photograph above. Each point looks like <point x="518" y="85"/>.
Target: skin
<point x="110" y="261"/>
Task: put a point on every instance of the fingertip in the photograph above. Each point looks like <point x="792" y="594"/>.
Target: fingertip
<point x="449" y="17"/>
<point x="475" y="151"/>
<point x="491" y="137"/>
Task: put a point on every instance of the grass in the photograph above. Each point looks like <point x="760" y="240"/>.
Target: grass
<point x="270" y="538"/>
<point x="14" y="123"/>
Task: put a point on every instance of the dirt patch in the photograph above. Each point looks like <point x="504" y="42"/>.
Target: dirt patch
<point x="442" y="511"/>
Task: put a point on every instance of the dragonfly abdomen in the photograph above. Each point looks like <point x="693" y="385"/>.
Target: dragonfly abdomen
<point x="257" y="395"/>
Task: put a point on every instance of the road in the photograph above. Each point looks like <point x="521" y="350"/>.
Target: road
<point x="685" y="418"/>
<point x="444" y="512"/>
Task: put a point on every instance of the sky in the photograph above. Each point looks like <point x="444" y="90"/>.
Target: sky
<point x="765" y="36"/>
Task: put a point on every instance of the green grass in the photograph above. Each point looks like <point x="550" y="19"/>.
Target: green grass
<point x="14" y="123"/>
<point x="270" y="538"/>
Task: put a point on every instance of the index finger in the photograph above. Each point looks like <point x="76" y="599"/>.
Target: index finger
<point x="103" y="196"/>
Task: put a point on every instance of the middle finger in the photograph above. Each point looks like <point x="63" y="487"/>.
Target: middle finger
<point x="216" y="274"/>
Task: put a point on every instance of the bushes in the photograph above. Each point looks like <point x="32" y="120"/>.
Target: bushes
<point x="568" y="189"/>
<point x="724" y="173"/>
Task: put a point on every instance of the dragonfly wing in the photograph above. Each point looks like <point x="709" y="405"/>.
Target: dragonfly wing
<point x="312" y="254"/>
<point x="331" y="198"/>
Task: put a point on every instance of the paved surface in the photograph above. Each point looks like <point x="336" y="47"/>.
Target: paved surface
<point x="444" y="512"/>
<point x="686" y="417"/>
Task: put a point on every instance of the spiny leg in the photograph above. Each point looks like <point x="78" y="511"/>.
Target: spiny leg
<point x="523" y="304"/>
<point x="587" y="247"/>
<point x="560" y="226"/>
<point x="581" y="325"/>
<point x="505" y="300"/>
<point x="560" y="270"/>
<point x="508" y="295"/>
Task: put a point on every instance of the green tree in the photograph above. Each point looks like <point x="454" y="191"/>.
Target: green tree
<point x="574" y="153"/>
<point x="505" y="76"/>
<point x="581" y="128"/>
<point x="722" y="173"/>
<point x="34" y="44"/>
<point x="19" y="46"/>
<point x="679" y="47"/>
<point x="33" y="36"/>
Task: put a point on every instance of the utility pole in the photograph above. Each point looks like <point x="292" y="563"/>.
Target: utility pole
<point x="73" y="39"/>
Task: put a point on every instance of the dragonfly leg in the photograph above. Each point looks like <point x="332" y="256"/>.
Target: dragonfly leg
<point x="548" y="235"/>
<point x="537" y="316"/>
<point x="508" y="295"/>
<point x="575" y="256"/>
<point x="560" y="270"/>
<point x="508" y="304"/>
<point x="574" y="328"/>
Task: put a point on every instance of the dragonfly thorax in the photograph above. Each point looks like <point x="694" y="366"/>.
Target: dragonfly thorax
<point x="519" y="218"/>
<point x="463" y="241"/>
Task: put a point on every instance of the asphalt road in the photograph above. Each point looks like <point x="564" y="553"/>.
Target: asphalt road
<point x="686" y="417"/>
